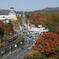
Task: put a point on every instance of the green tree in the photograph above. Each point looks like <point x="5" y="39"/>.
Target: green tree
<point x="56" y="50"/>
<point x="40" y="56"/>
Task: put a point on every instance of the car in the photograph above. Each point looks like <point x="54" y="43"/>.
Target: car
<point x="22" y="48"/>
<point x="2" y="52"/>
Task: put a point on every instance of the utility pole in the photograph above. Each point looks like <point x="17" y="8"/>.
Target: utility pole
<point x="24" y="21"/>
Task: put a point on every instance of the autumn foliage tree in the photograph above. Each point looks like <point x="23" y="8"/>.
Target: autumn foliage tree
<point x="47" y="43"/>
<point x="49" y="20"/>
<point x="7" y="27"/>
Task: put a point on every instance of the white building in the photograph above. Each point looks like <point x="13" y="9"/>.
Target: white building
<point x="11" y="16"/>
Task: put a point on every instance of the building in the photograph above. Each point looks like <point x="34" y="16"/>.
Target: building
<point x="9" y="15"/>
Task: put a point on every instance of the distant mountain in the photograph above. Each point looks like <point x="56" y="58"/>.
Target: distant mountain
<point x="49" y="10"/>
<point x="52" y="10"/>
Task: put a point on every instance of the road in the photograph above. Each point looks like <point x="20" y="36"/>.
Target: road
<point x="19" y="53"/>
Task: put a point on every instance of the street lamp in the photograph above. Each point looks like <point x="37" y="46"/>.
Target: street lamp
<point x="21" y="42"/>
<point x="16" y="49"/>
<point x="10" y="49"/>
<point x="15" y="45"/>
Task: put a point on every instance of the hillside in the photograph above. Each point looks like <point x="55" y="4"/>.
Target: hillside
<point x="49" y="20"/>
<point x="47" y="46"/>
<point x="52" y="10"/>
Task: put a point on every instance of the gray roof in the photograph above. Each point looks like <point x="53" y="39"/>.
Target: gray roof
<point x="4" y="12"/>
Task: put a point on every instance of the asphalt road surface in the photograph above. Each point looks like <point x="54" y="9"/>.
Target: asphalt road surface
<point x="19" y="53"/>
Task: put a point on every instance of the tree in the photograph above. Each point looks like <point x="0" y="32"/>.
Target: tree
<point x="40" y="56"/>
<point x="47" y="43"/>
<point x="56" y="50"/>
<point x="57" y="30"/>
<point x="1" y="32"/>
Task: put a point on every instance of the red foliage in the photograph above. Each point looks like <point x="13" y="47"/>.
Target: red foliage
<point x="7" y="27"/>
<point x="47" y="42"/>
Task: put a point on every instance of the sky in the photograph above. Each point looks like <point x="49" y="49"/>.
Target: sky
<point x="28" y="5"/>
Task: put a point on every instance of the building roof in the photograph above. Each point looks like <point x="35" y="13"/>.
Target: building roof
<point x="4" y="12"/>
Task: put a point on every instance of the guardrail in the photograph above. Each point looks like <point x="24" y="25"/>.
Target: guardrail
<point x="3" y="49"/>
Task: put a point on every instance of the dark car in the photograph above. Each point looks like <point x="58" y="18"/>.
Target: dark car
<point x="22" y="48"/>
<point x="2" y="52"/>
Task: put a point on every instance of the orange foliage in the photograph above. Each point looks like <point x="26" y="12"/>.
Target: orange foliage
<point x="42" y="18"/>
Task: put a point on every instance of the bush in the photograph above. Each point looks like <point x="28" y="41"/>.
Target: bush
<point x="56" y="50"/>
<point x="40" y="56"/>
